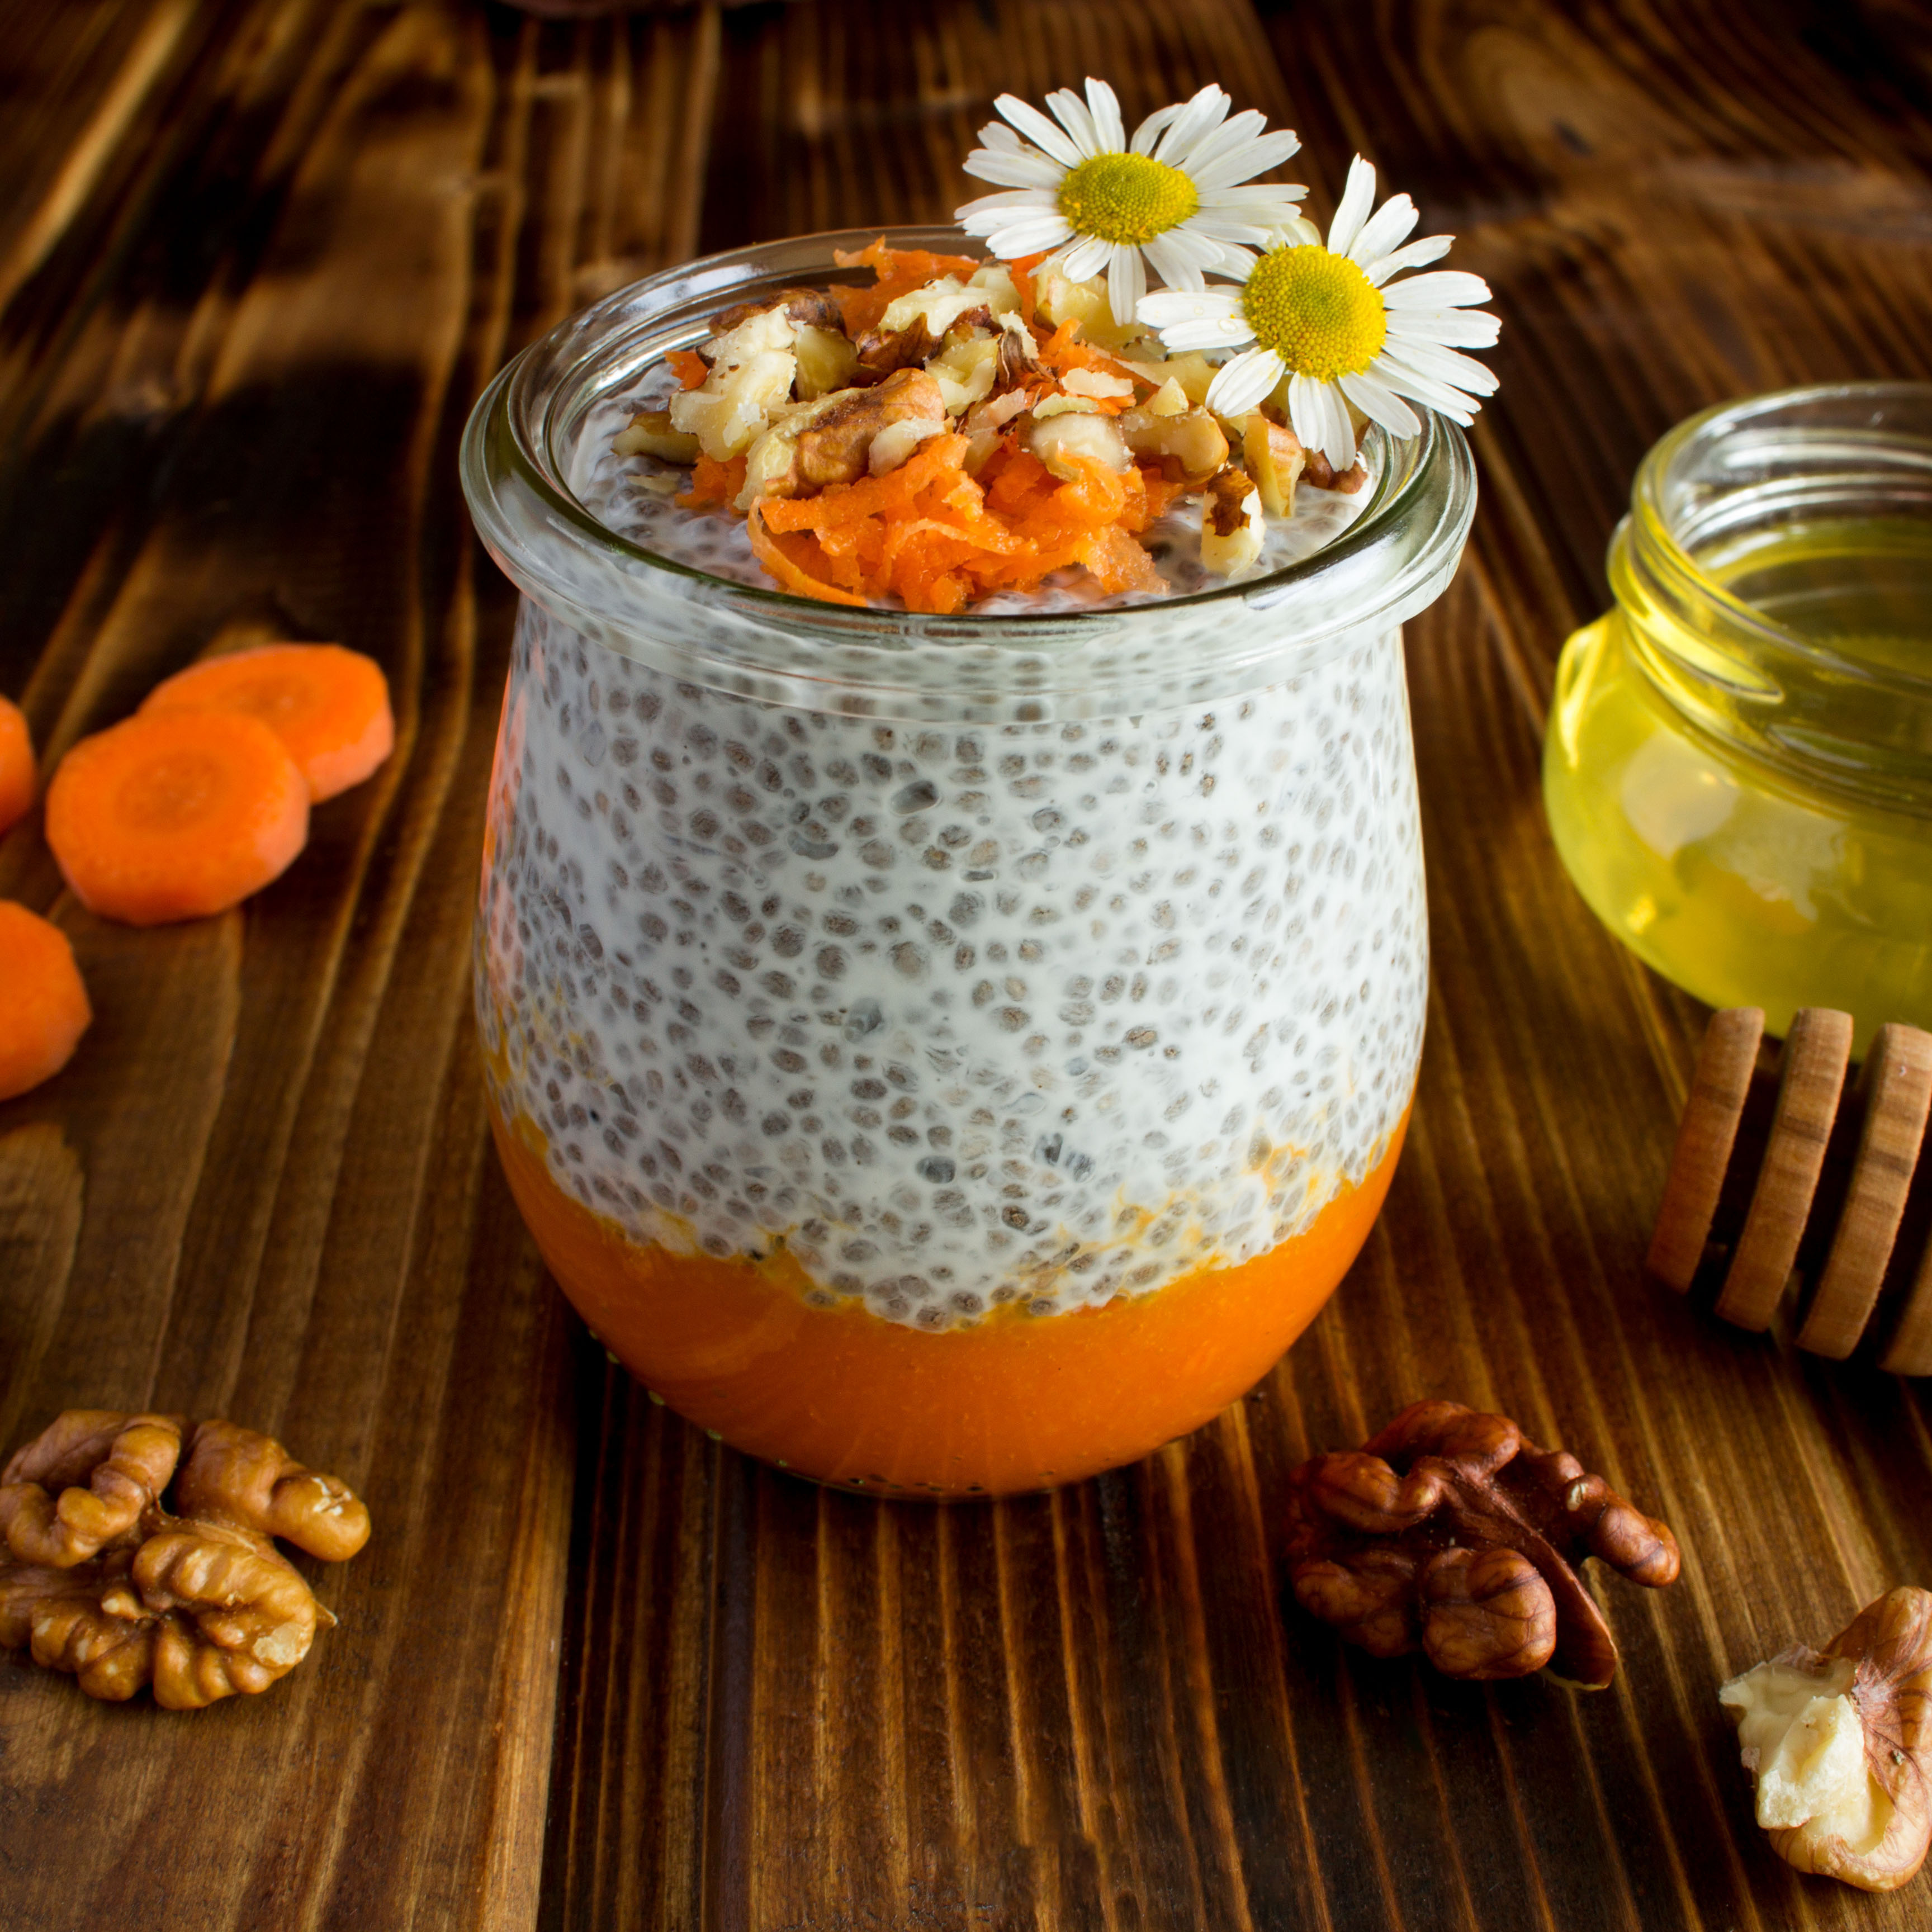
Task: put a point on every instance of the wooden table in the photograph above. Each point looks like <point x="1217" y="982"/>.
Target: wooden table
<point x="257" y="257"/>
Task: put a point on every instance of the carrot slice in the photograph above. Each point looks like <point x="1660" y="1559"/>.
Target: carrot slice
<point x="329" y="706"/>
<point x="17" y="763"/>
<point x="43" y="1008"/>
<point x="175" y="814"/>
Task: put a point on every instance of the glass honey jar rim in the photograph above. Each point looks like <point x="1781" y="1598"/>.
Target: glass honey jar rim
<point x="1820" y="719"/>
<point x="1393" y="561"/>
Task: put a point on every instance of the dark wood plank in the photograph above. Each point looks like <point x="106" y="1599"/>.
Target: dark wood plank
<point x="596" y="1670"/>
<point x="265" y="1190"/>
<point x="1104" y="1716"/>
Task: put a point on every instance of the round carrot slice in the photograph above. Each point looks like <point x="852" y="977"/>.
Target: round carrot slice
<point x="17" y="763"/>
<point x="330" y="707"/>
<point x="43" y="1009"/>
<point x="175" y="814"/>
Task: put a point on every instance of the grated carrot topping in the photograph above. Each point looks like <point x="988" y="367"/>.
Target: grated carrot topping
<point x="689" y="367"/>
<point x="899" y="271"/>
<point x="714" y="485"/>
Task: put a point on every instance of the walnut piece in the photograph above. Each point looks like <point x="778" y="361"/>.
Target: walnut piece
<point x="831" y="440"/>
<point x="1449" y="1531"/>
<point x="1065" y="441"/>
<point x="1232" y="522"/>
<point x="1837" y="1741"/>
<point x="125" y="1461"/>
<point x="1274" y="458"/>
<point x="650" y="433"/>
<point x="752" y="370"/>
<point x="1188" y="443"/>
<point x="105" y="1581"/>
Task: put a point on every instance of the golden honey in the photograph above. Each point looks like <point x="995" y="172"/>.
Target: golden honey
<point x="1738" y="766"/>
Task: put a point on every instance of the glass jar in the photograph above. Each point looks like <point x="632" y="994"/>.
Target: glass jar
<point x="947" y="1055"/>
<point x="1739" y="765"/>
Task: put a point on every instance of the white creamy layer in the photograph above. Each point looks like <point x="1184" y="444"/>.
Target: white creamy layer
<point x="1045" y="1012"/>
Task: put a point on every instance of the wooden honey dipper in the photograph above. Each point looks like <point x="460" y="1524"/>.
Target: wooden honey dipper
<point x="1828" y="1191"/>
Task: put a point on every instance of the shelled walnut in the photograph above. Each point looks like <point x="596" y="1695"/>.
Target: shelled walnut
<point x="101" y="1578"/>
<point x="1450" y="1532"/>
<point x="1839" y="1742"/>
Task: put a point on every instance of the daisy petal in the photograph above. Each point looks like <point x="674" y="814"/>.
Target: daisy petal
<point x="1221" y="228"/>
<point x="1390" y="224"/>
<point x="1445" y="365"/>
<point x="1039" y="130"/>
<point x="1029" y="237"/>
<point x="1448" y="328"/>
<point x="998" y="134"/>
<point x="1447" y="288"/>
<point x="1303" y="417"/>
<point x="1430" y="248"/>
<point x="1254" y="157"/>
<point x="1256" y="194"/>
<point x="1335" y="437"/>
<point x="1242" y="382"/>
<point x="1105" y="106"/>
<point x="1070" y="111"/>
<point x="1020" y="170"/>
<point x="1238" y="262"/>
<point x="1151" y="129"/>
<point x="1225" y="332"/>
<point x="1358" y="198"/>
<point x="1013" y="201"/>
<point x="1171" y="310"/>
<point x="1172" y="265"/>
<point x="1197" y="119"/>
<point x="1231" y="137"/>
<point x="1127" y="282"/>
<point x="1200" y="245"/>
<point x="1382" y="404"/>
<point x="1439" y="396"/>
<point x="1087" y="256"/>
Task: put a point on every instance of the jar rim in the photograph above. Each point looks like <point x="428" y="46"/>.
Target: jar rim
<point x="1740" y="473"/>
<point x="1392" y="559"/>
<point x="1658" y="505"/>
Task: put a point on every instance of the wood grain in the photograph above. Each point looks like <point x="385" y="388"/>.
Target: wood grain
<point x="256" y="258"/>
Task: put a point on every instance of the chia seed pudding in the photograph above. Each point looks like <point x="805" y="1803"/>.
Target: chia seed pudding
<point x="940" y="973"/>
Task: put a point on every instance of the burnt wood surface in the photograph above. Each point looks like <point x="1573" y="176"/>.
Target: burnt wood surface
<point x="256" y="259"/>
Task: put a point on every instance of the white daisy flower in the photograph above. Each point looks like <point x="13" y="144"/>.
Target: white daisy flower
<point x="1332" y="320"/>
<point x="1171" y="200"/>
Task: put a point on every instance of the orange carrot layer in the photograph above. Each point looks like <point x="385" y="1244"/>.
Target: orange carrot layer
<point x="175" y="814"/>
<point x="329" y="706"/>
<point x="17" y="763"/>
<point x="689" y="367"/>
<point x="1016" y="1403"/>
<point x="43" y="1008"/>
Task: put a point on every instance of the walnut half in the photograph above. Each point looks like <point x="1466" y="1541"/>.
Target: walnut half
<point x="1837" y="1741"/>
<point x="102" y="1578"/>
<point x="1450" y="1532"/>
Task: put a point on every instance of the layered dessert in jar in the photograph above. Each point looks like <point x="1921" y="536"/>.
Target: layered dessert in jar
<point x="951" y="955"/>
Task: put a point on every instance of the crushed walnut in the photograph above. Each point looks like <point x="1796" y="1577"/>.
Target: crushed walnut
<point x="1840" y="1746"/>
<point x="109" y="1576"/>
<point x="961" y="429"/>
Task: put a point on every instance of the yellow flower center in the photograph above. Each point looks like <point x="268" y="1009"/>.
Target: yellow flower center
<point x="1317" y="311"/>
<point x="1125" y="198"/>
